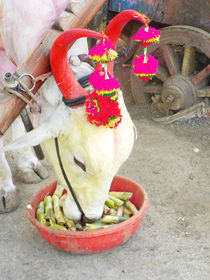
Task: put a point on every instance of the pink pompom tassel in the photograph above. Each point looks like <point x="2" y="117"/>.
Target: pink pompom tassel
<point x="103" y="52"/>
<point x="145" y="70"/>
<point x="146" y="36"/>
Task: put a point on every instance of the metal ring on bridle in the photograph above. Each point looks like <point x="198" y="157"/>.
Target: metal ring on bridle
<point x="33" y="80"/>
<point x="75" y="62"/>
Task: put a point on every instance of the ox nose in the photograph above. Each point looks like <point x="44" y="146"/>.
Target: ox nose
<point x="94" y="214"/>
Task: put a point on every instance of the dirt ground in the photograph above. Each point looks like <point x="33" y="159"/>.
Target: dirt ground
<point x="172" y="163"/>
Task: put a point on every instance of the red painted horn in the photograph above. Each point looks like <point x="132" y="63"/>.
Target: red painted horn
<point x="62" y="73"/>
<point x="116" y="25"/>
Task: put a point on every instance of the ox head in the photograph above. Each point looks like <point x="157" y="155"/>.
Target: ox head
<point x="91" y="155"/>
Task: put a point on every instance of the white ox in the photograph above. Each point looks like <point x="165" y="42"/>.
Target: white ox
<point x="91" y="155"/>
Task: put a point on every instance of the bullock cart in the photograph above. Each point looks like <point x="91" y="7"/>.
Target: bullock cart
<point x="181" y="87"/>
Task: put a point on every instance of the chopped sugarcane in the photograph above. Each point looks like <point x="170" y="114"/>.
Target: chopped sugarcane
<point x="56" y="226"/>
<point x="58" y="213"/>
<point x="79" y="226"/>
<point x="69" y="223"/>
<point x="106" y="209"/>
<point x="126" y="215"/>
<point x="49" y="211"/>
<point x="73" y="229"/>
<point x="91" y="227"/>
<point x="117" y="201"/>
<point x="96" y="222"/>
<point x="121" y="195"/>
<point x="117" y="208"/>
<point x="40" y="213"/>
<point x="59" y="190"/>
<point x="131" y="207"/>
<point x="113" y="212"/>
<point x="112" y="219"/>
<point x="120" y="211"/>
<point x="109" y="203"/>
<point x="62" y="199"/>
<point x="127" y="211"/>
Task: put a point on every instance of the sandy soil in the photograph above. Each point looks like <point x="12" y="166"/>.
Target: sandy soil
<point x="172" y="163"/>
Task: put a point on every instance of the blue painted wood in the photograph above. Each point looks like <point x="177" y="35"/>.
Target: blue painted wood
<point x="142" y="6"/>
<point x="187" y="12"/>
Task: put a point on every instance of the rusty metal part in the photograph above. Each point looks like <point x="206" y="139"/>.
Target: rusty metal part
<point x="178" y="92"/>
<point x="182" y="77"/>
<point x="28" y="126"/>
<point x="205" y="92"/>
<point x="188" y="12"/>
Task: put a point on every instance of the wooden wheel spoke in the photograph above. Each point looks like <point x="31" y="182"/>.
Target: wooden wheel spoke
<point x="201" y="75"/>
<point x="188" y="64"/>
<point x="204" y="92"/>
<point x="153" y="89"/>
<point x="162" y="73"/>
<point x="171" y="59"/>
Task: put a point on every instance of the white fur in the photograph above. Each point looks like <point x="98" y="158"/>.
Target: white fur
<point x="6" y="183"/>
<point x="28" y="167"/>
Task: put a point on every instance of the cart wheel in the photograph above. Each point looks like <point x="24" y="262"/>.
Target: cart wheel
<point x="183" y="74"/>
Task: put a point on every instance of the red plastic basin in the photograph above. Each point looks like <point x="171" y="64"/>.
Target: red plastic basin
<point x="84" y="242"/>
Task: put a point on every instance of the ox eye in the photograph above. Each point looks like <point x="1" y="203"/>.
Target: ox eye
<point x="80" y="164"/>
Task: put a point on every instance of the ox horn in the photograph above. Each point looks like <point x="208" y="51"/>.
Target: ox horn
<point x="32" y="138"/>
<point x="116" y="25"/>
<point x="62" y="73"/>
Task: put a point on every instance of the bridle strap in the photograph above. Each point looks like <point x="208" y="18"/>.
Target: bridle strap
<point x="74" y="102"/>
<point x="67" y="181"/>
<point x="84" y="82"/>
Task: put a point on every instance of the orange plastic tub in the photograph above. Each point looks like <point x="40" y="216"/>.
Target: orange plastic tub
<point x="84" y="242"/>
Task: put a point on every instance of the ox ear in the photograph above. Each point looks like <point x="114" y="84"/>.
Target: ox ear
<point x="58" y="123"/>
<point x="32" y="138"/>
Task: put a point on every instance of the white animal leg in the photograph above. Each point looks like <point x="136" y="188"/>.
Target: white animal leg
<point x="8" y="194"/>
<point x="29" y="169"/>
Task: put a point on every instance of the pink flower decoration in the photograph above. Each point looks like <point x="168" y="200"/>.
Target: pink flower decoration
<point x="146" y="36"/>
<point x="145" y="70"/>
<point x="103" y="52"/>
<point x="103" y="86"/>
<point x="101" y="110"/>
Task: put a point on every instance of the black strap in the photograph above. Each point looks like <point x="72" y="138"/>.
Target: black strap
<point x="74" y="102"/>
<point x="84" y="81"/>
<point x="67" y="181"/>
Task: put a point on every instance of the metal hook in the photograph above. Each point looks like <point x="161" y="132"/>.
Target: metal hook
<point x="27" y="75"/>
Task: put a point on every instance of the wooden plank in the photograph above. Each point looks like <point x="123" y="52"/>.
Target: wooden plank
<point x="199" y="77"/>
<point x="171" y="59"/>
<point x="63" y="21"/>
<point x="205" y="92"/>
<point x="188" y="64"/>
<point x="37" y="62"/>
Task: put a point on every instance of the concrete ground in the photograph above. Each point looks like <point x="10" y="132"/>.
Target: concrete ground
<point x="172" y="163"/>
